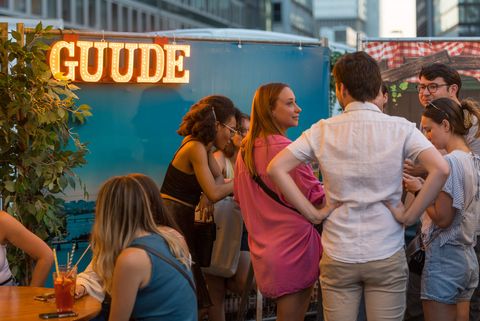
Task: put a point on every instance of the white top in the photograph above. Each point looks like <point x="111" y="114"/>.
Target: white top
<point x="5" y="273"/>
<point x="463" y="186"/>
<point x="92" y="283"/>
<point x="361" y="154"/>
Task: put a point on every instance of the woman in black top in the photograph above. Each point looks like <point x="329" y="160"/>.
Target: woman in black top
<point x="193" y="170"/>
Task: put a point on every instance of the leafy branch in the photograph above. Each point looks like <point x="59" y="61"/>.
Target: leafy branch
<point x="39" y="148"/>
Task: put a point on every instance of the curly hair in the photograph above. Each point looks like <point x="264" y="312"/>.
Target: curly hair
<point x="200" y="120"/>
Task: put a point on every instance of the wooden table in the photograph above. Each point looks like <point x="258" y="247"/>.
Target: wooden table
<point x="17" y="303"/>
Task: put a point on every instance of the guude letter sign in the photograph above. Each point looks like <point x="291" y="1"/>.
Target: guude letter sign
<point x="73" y="62"/>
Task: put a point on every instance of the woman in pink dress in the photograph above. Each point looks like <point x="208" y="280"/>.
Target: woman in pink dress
<point x="284" y="245"/>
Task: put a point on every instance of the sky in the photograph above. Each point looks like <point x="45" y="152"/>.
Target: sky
<point x="397" y="18"/>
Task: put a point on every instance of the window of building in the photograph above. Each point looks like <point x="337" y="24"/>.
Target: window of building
<point x="277" y="12"/>
<point x="66" y="10"/>
<point x="20" y="5"/>
<point x="134" y="20"/>
<point x="51" y="9"/>
<point x="470" y="14"/>
<point x="3" y="3"/>
<point x="103" y="14"/>
<point x="79" y="13"/>
<point x="92" y="17"/>
<point x="152" y="23"/>
<point x="125" y="26"/>
<point x="115" y="17"/>
<point x="144" y="22"/>
<point x="37" y="7"/>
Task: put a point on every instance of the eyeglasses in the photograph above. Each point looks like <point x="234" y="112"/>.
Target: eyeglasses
<point x="441" y="110"/>
<point x="232" y="130"/>
<point x="432" y="88"/>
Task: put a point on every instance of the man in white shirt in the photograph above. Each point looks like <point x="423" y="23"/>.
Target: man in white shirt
<point x="361" y="154"/>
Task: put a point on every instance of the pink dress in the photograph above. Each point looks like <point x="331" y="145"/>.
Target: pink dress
<point x="285" y="247"/>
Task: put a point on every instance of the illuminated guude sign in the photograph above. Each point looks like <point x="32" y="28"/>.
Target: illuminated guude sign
<point x="155" y="63"/>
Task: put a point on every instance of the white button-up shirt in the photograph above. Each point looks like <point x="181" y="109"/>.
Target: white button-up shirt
<point x="361" y="154"/>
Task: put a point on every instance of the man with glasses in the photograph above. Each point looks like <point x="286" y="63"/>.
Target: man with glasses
<point x="439" y="81"/>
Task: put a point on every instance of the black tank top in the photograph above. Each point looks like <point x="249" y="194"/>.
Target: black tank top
<point x="181" y="185"/>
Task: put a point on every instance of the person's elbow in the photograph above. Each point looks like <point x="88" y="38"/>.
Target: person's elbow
<point x="409" y="221"/>
<point x="443" y="170"/>
<point x="47" y="257"/>
<point x="272" y="169"/>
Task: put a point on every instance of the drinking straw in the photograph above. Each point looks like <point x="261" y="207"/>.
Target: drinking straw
<point x="56" y="262"/>
<point x="70" y="257"/>
<point x="81" y="257"/>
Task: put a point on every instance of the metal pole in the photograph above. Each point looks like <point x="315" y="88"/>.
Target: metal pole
<point x="133" y="35"/>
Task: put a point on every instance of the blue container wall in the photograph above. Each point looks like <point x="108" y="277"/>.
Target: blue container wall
<point x="133" y="127"/>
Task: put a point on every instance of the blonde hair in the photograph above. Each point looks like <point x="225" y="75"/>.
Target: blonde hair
<point x="123" y="209"/>
<point x="261" y="120"/>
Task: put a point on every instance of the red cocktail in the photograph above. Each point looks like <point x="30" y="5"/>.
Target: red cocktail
<point x="64" y="284"/>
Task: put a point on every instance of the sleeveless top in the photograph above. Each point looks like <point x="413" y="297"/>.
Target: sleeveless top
<point x="5" y="273"/>
<point x="168" y="296"/>
<point x="181" y="185"/>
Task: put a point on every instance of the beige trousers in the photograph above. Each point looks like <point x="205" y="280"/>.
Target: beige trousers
<point x="384" y="283"/>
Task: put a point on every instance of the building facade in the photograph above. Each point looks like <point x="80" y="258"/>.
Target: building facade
<point x="344" y="21"/>
<point x="292" y="16"/>
<point x="448" y="18"/>
<point x="142" y="15"/>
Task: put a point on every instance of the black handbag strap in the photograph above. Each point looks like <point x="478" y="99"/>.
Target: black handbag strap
<point x="271" y="193"/>
<point x="275" y="197"/>
<point x="268" y="190"/>
<point x="167" y="260"/>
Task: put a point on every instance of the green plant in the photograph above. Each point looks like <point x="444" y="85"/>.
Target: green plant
<point x="396" y="91"/>
<point x="334" y="56"/>
<point x="38" y="146"/>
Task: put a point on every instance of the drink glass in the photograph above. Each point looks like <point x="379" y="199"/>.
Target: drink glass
<point x="64" y="284"/>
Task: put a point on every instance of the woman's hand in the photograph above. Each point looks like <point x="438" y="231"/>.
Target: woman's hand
<point x="205" y="208"/>
<point x="80" y="291"/>
<point x="410" y="168"/>
<point x="412" y="184"/>
<point x="398" y="211"/>
<point x="325" y="211"/>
